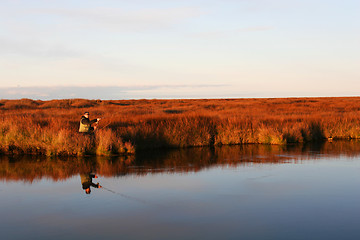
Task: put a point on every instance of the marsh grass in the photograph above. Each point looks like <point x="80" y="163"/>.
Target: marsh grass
<point x="51" y="127"/>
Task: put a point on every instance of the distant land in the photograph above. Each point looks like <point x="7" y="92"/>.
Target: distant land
<point x="114" y="92"/>
<point x="195" y="91"/>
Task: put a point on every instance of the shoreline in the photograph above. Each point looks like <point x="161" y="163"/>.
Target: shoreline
<point x="29" y="168"/>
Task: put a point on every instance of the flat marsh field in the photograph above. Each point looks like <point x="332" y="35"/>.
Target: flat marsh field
<point x="51" y="127"/>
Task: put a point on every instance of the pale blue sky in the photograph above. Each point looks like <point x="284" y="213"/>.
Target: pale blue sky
<point x="179" y="48"/>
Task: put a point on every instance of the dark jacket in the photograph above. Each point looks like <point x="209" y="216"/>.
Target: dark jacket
<point x="85" y="124"/>
<point x="86" y="181"/>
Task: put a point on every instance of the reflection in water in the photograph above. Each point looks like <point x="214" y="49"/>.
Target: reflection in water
<point x="87" y="183"/>
<point x="32" y="168"/>
<point x="238" y="192"/>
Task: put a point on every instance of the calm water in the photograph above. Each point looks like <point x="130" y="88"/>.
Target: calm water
<point x="248" y="192"/>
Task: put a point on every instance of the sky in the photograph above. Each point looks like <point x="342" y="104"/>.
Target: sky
<point x="117" y="49"/>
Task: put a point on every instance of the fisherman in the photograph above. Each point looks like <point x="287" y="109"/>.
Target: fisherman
<point x="86" y="181"/>
<point x="85" y="124"/>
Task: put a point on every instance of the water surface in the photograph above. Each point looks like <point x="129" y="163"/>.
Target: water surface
<point x="238" y="192"/>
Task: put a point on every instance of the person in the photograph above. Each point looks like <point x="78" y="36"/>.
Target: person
<point x="86" y="181"/>
<point x="85" y="124"/>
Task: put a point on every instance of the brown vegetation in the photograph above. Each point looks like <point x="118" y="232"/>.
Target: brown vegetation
<point x="51" y="127"/>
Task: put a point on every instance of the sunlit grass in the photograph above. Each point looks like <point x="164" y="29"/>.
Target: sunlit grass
<point x="51" y="127"/>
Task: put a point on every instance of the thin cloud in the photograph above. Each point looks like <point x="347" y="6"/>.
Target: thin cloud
<point x="125" y="20"/>
<point x="214" y="34"/>
<point x="35" y="49"/>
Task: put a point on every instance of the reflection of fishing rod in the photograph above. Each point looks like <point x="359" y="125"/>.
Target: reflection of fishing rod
<point x="125" y="196"/>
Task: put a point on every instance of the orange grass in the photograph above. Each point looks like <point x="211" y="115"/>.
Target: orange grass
<point x="51" y="127"/>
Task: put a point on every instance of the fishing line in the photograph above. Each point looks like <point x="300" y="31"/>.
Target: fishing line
<point x="127" y="196"/>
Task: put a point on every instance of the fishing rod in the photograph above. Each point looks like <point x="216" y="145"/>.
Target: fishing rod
<point x="107" y="118"/>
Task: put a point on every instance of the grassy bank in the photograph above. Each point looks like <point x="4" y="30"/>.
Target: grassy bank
<point x="51" y="127"/>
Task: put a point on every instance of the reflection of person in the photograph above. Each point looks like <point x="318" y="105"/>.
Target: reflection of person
<point x="86" y="181"/>
<point x="85" y="124"/>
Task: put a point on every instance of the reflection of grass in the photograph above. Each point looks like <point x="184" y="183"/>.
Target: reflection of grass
<point x="30" y="168"/>
<point x="50" y="127"/>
